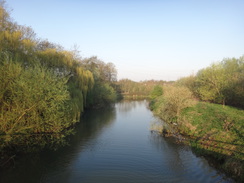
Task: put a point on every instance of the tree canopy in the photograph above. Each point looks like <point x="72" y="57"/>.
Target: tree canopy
<point x="221" y="82"/>
<point x="43" y="87"/>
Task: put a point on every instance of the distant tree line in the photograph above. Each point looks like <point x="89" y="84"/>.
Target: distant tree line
<point x="43" y="87"/>
<point x="143" y="88"/>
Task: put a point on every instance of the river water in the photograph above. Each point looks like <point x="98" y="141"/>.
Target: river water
<point x="115" y="145"/>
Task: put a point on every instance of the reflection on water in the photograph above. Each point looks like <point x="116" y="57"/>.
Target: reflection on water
<point x="28" y="143"/>
<point x="114" y="145"/>
<point x="182" y="164"/>
<point x="126" y="106"/>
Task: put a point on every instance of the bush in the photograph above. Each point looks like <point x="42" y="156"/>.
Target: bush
<point x="156" y="92"/>
<point x="32" y="100"/>
<point x="172" y="102"/>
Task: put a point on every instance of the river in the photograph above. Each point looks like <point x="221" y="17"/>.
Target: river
<point x="115" y="145"/>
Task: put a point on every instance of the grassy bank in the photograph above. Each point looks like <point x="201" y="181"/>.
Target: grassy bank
<point x="213" y="130"/>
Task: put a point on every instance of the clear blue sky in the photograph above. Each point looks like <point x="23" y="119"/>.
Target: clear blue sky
<point x="145" y="39"/>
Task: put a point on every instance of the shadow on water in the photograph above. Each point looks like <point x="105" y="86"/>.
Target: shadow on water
<point x="221" y="161"/>
<point x="183" y="163"/>
<point x="60" y="152"/>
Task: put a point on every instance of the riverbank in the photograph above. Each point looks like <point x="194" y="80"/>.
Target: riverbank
<point x="113" y="145"/>
<point x="214" y="131"/>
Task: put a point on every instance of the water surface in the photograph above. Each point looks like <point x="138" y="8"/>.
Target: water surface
<point x="115" y="145"/>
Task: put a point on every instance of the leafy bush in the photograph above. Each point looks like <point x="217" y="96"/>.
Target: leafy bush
<point x="101" y="95"/>
<point x="156" y="92"/>
<point x="220" y="83"/>
<point x="33" y="100"/>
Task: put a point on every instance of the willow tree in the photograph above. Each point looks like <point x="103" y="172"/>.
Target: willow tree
<point x="64" y="63"/>
<point x="33" y="100"/>
<point x="105" y="75"/>
<point x="43" y="86"/>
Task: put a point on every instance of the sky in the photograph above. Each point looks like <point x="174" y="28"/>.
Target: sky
<point x="145" y="39"/>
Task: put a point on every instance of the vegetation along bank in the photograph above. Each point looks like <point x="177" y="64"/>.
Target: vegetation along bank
<point x="44" y="88"/>
<point x="208" y="109"/>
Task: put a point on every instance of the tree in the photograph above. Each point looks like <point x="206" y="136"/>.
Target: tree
<point x="33" y="100"/>
<point x="43" y="87"/>
<point x="5" y="19"/>
<point x="211" y="83"/>
<point x="174" y="100"/>
<point x="189" y="82"/>
<point x="105" y="72"/>
<point x="28" y="63"/>
<point x="105" y="75"/>
<point x="110" y="72"/>
<point x="234" y="91"/>
<point x="222" y="82"/>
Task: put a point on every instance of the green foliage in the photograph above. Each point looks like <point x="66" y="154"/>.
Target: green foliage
<point x="33" y="100"/>
<point x="102" y="72"/>
<point x="189" y="82"/>
<point x="220" y="83"/>
<point x="101" y="95"/>
<point x="143" y="88"/>
<point x="105" y="90"/>
<point x="217" y="129"/>
<point x="172" y="102"/>
<point x="211" y="83"/>
<point x="44" y="88"/>
<point x="156" y="92"/>
<point x="234" y="90"/>
<point x="212" y="129"/>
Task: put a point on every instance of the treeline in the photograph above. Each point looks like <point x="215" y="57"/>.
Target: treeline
<point x="43" y="87"/>
<point x="142" y="88"/>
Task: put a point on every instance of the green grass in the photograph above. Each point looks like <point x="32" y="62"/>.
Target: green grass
<point x="214" y="131"/>
<point x="217" y="131"/>
<point x="216" y="127"/>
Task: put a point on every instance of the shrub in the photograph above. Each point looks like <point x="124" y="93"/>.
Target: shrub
<point x="32" y="100"/>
